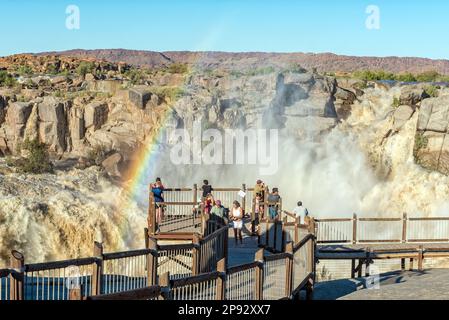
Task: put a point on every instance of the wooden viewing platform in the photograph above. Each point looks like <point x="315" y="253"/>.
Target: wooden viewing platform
<point x="192" y="255"/>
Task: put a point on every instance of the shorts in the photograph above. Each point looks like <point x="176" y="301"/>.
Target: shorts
<point x="273" y="212"/>
<point x="237" y="224"/>
<point x="158" y="205"/>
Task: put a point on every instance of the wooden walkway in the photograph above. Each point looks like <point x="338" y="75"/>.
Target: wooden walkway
<point x="240" y="254"/>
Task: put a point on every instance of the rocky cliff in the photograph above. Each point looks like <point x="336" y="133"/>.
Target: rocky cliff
<point x="323" y="62"/>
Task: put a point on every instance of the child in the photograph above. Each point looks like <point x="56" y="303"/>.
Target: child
<point x="208" y="203"/>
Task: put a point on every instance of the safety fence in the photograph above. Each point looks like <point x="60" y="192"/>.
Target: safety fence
<point x="350" y="247"/>
<point x="111" y="273"/>
<point x="383" y="230"/>
<point x="182" y="207"/>
<point x="274" y="234"/>
<point x="270" y="277"/>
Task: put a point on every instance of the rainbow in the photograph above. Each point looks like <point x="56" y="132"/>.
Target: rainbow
<point x="144" y="163"/>
<point x="145" y="159"/>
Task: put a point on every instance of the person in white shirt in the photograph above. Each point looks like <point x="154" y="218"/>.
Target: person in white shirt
<point x="236" y="216"/>
<point x="300" y="212"/>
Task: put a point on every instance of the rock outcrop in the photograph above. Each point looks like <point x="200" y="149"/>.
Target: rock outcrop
<point x="75" y="113"/>
<point x="432" y="139"/>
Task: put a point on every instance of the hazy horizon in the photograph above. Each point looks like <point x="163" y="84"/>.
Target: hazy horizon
<point x="224" y="51"/>
<point x="353" y="28"/>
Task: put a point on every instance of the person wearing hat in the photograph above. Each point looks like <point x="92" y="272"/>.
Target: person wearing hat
<point x="259" y="188"/>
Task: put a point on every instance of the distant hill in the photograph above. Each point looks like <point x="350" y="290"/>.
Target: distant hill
<point x="323" y="62"/>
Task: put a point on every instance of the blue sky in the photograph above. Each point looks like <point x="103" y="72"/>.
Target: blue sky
<point x="407" y="28"/>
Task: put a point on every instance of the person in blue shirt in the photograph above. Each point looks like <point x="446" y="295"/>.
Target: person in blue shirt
<point x="158" y="189"/>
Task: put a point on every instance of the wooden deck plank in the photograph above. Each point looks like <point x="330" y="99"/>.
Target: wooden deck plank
<point x="242" y="254"/>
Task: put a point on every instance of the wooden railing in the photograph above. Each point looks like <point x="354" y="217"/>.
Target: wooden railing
<point x="5" y="275"/>
<point x="147" y="293"/>
<point x="377" y="230"/>
<point x="111" y="273"/>
<point x="226" y="195"/>
<point x="203" y="251"/>
<point x="273" y="235"/>
<point x="278" y="276"/>
<point x="182" y="211"/>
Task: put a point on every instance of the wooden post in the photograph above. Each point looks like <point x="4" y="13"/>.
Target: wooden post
<point x="280" y="208"/>
<point x="151" y="214"/>
<point x="367" y="261"/>
<point x="289" y="270"/>
<point x="354" y="228"/>
<point x="195" y="193"/>
<point x="404" y="237"/>
<point x="152" y="258"/>
<point x="284" y="235"/>
<point x="312" y="226"/>
<point x="359" y="268"/>
<point x="275" y="227"/>
<point x="164" y="283"/>
<point x="314" y="262"/>
<point x="195" y="205"/>
<point x="352" y="268"/>
<point x="253" y="216"/>
<point x="75" y="294"/>
<point x="404" y="227"/>
<point x="265" y="203"/>
<point x="311" y="256"/>
<point x="420" y="257"/>
<point x="309" y="290"/>
<point x="97" y="272"/>
<point x="244" y="200"/>
<point x="205" y="217"/>
<point x="226" y="245"/>
<point x="17" y="262"/>
<point x="196" y="255"/>
<point x="221" y="281"/>
<point x="296" y="235"/>
<point x="146" y="237"/>
<point x="259" y="274"/>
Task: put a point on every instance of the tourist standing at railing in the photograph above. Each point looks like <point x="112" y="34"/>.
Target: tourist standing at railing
<point x="237" y="221"/>
<point x="208" y="203"/>
<point x="207" y="188"/>
<point x="259" y="188"/>
<point x="273" y="203"/>
<point x="301" y="212"/>
<point x="158" y="189"/>
<point x="218" y="212"/>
